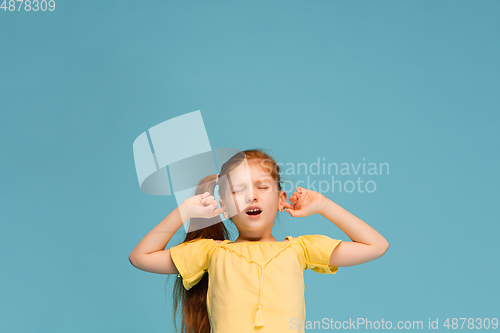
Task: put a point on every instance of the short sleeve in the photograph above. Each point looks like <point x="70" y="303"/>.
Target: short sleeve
<point x="192" y="259"/>
<point x="317" y="250"/>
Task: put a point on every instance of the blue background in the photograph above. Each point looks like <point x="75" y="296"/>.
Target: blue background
<point x="409" y="83"/>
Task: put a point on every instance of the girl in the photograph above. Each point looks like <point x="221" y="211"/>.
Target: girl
<point x="254" y="284"/>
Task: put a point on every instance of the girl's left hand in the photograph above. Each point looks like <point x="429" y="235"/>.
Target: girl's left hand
<point x="304" y="202"/>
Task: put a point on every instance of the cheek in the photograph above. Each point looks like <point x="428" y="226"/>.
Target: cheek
<point x="230" y="205"/>
<point x="271" y="197"/>
<point x="235" y="204"/>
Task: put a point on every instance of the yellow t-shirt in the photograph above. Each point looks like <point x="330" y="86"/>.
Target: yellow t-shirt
<point x="254" y="286"/>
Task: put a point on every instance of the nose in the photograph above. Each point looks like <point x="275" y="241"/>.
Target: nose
<point x="251" y="196"/>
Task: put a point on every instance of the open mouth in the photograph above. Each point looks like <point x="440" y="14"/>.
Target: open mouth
<point x="253" y="213"/>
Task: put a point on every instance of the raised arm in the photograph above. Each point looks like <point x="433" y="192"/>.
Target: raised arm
<point x="367" y="244"/>
<point x="150" y="254"/>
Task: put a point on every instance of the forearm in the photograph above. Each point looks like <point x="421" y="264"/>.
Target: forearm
<point x="356" y="229"/>
<point x="158" y="238"/>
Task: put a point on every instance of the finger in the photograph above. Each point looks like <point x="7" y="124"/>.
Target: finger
<point x="210" y="209"/>
<point x="204" y="195"/>
<point x="207" y="200"/>
<point x="288" y="205"/>
<point x="208" y="203"/>
<point x="300" y="189"/>
<point x="218" y="211"/>
<point x="293" y="199"/>
<point x="294" y="213"/>
<point x="303" y="197"/>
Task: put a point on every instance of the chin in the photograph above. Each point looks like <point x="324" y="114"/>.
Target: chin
<point x="251" y="225"/>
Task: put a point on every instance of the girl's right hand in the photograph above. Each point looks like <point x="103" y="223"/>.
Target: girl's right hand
<point x="200" y="206"/>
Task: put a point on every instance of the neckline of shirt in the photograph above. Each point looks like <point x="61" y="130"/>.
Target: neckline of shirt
<point x="290" y="240"/>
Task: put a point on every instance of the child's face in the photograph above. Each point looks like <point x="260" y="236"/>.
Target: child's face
<point x="253" y="187"/>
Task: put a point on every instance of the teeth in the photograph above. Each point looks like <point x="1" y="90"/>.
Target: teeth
<point x="253" y="210"/>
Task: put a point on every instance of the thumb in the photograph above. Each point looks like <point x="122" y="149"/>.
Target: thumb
<point x="292" y="212"/>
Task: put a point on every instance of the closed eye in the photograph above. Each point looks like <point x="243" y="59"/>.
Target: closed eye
<point x="260" y="188"/>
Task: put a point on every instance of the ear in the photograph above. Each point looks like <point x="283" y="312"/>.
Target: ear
<point x="282" y="201"/>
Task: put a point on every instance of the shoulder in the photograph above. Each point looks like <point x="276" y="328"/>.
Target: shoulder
<point x="309" y="242"/>
<point x="315" y="252"/>
<point x="199" y="244"/>
<point x="311" y="238"/>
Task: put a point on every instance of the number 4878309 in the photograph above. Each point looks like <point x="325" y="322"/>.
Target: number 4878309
<point x="29" y="5"/>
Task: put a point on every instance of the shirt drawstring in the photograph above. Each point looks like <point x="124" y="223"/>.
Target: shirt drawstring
<point x="259" y="319"/>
